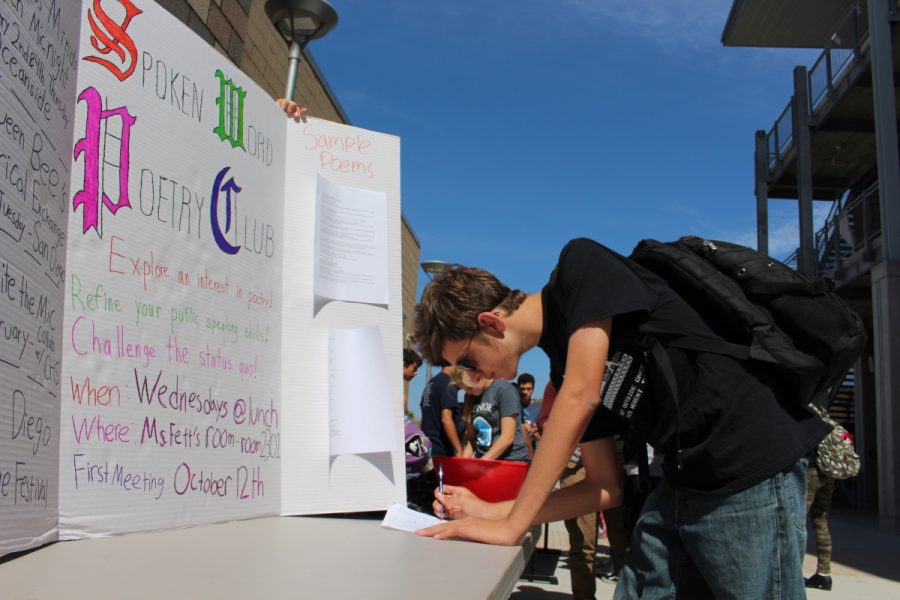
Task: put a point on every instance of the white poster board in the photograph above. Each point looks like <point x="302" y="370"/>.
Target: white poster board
<point x="171" y="401"/>
<point x="146" y="237"/>
<point x="314" y="480"/>
<point x="39" y="44"/>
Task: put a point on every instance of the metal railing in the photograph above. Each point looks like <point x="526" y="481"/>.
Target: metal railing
<point x="826" y="72"/>
<point x="840" y="402"/>
<point x="781" y="135"/>
<point x="850" y="227"/>
<point x="822" y="78"/>
<point x="791" y="261"/>
<point x="850" y="230"/>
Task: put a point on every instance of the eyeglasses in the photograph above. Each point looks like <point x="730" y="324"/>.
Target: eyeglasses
<point x="463" y="363"/>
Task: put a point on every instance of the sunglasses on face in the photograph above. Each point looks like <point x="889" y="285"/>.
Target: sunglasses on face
<point x="463" y="363"/>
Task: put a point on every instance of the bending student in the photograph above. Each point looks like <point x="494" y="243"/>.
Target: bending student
<point x="727" y="519"/>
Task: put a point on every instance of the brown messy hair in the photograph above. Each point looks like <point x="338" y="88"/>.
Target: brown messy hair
<point x="451" y="303"/>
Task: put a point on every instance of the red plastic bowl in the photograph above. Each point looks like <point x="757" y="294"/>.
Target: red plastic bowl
<point x="490" y="480"/>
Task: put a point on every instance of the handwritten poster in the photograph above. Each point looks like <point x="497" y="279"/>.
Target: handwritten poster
<point x="171" y="411"/>
<point x="162" y="363"/>
<point x="39" y="46"/>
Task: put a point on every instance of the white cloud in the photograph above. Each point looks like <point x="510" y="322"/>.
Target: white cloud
<point x="784" y="238"/>
<point x="747" y="238"/>
<point x="691" y="27"/>
<point x="690" y="23"/>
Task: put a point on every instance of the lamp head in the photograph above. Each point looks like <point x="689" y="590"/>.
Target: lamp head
<point x="434" y="267"/>
<point x="301" y="20"/>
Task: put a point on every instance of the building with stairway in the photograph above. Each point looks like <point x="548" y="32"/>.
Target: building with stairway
<point x="836" y="142"/>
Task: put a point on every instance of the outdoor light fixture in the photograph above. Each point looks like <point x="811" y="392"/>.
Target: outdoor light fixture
<point x="298" y="22"/>
<point x="434" y="267"/>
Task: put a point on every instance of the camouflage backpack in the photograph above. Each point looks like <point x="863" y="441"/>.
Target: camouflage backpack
<point x="835" y="455"/>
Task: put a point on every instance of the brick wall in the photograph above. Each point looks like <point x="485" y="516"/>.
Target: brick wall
<point x="240" y="30"/>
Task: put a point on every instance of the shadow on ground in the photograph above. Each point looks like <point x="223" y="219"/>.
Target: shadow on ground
<point x="858" y="543"/>
<point x="526" y="592"/>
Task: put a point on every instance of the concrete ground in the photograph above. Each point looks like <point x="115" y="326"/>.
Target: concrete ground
<point x="865" y="563"/>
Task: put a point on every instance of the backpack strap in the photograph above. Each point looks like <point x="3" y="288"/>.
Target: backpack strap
<point x="643" y="471"/>
<point x="664" y="367"/>
<point x="813" y="288"/>
<point x="720" y="346"/>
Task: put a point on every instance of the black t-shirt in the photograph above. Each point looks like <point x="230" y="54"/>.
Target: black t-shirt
<point x="733" y="430"/>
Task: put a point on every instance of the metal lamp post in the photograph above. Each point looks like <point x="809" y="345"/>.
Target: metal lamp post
<point x="298" y="22"/>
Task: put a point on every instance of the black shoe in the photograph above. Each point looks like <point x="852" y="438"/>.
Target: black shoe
<point x="819" y="582"/>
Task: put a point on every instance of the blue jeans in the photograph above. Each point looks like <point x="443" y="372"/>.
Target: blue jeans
<point x="746" y="546"/>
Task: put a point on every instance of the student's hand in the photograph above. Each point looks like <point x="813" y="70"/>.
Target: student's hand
<point x="501" y="532"/>
<point x="292" y="109"/>
<point x="459" y="503"/>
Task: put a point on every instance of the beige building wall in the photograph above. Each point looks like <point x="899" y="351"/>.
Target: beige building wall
<point x="410" y="251"/>
<point x="240" y="30"/>
<point x="409" y="260"/>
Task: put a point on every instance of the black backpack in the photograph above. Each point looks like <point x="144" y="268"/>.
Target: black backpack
<point x="763" y="310"/>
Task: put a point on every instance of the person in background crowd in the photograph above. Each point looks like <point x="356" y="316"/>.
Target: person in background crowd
<point x="493" y="423"/>
<point x="420" y="479"/>
<point x="582" y="530"/>
<point x="411" y="363"/>
<point x="617" y="522"/>
<point x="819" y="491"/>
<point x="525" y="383"/>
<point x="441" y="421"/>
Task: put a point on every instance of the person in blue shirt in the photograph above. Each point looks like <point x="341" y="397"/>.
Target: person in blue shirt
<point x="441" y="420"/>
<point x="525" y="385"/>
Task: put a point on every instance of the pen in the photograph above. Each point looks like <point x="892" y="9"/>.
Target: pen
<point x="441" y="485"/>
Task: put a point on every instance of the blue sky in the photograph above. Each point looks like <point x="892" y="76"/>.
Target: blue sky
<point x="526" y="124"/>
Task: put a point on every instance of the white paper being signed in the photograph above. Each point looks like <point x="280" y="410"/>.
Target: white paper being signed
<point x="407" y="519"/>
